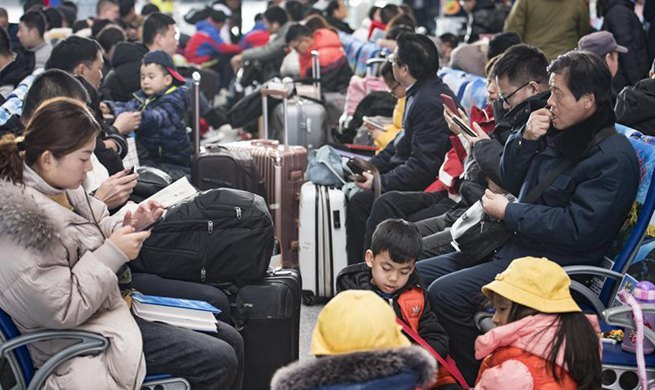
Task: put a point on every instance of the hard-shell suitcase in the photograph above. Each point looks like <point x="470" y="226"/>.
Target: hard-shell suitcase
<point x="322" y="240"/>
<point x="271" y="334"/>
<point x="282" y="168"/>
<point x="307" y="122"/>
<point x="303" y="117"/>
<point x="217" y="167"/>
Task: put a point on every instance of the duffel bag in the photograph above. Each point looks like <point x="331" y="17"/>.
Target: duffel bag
<point x="221" y="235"/>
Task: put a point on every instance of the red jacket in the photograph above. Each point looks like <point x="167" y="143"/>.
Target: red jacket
<point x="329" y="48"/>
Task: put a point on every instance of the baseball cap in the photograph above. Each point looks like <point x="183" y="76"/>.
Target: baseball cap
<point x="162" y="58"/>
<point x="600" y="43"/>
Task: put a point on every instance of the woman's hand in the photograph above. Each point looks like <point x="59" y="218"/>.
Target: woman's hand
<point x="144" y="216"/>
<point x="128" y="241"/>
<point x="480" y="134"/>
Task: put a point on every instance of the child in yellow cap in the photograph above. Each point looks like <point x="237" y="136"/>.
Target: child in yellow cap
<point x="361" y="346"/>
<point x="542" y="339"/>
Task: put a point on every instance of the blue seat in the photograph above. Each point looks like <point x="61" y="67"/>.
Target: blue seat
<point x="351" y="46"/>
<point x="13" y="347"/>
<point x="619" y="367"/>
<point x="367" y="51"/>
<point x="475" y="94"/>
<point x="457" y="80"/>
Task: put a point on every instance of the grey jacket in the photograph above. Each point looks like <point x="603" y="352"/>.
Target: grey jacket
<point x="59" y="272"/>
<point x="272" y="52"/>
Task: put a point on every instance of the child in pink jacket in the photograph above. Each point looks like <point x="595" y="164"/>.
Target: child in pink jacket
<point x="542" y="339"/>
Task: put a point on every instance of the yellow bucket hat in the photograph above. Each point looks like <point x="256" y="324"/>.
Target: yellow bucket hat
<point x="356" y="320"/>
<point x="537" y="283"/>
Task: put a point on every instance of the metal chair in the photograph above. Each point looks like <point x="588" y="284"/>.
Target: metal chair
<point x="13" y="348"/>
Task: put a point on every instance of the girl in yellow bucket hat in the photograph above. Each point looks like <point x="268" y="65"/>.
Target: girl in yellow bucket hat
<point x="542" y="339"/>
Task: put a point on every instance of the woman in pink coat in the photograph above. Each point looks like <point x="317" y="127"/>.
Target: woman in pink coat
<point x="542" y="340"/>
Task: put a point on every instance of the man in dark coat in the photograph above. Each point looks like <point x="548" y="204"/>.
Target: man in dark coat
<point x="484" y="17"/>
<point x="577" y="216"/>
<point x="15" y="65"/>
<point x="411" y="161"/>
<point x="124" y="80"/>
<point x="634" y="105"/>
<point x="620" y="19"/>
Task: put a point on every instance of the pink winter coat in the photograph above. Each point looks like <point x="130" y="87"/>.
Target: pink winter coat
<point x="515" y="356"/>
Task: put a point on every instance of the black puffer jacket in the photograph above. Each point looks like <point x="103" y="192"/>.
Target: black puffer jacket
<point x="18" y="69"/>
<point x="623" y="23"/>
<point x="487" y="17"/>
<point x="124" y="78"/>
<point x="634" y="106"/>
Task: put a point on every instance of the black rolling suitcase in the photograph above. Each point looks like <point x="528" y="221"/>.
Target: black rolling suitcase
<point x="271" y="334"/>
<point x="217" y="167"/>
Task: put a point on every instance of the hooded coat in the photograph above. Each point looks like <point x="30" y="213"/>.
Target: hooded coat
<point x="125" y="77"/>
<point x="59" y="272"/>
<point x="516" y="356"/>
<point x="634" y="106"/>
<point x="391" y="369"/>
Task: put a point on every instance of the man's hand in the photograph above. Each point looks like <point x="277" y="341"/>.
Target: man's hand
<point x="127" y="122"/>
<point x="494" y="204"/>
<point x="368" y="184"/>
<point x="116" y="189"/>
<point x="236" y="62"/>
<point x="538" y="124"/>
<point x="104" y="108"/>
<point x="478" y="130"/>
<point x="146" y="215"/>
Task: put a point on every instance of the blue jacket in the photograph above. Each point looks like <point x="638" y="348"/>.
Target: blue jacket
<point x="162" y="136"/>
<point x="412" y="163"/>
<point x="579" y="215"/>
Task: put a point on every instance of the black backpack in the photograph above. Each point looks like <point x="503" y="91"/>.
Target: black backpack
<point x="222" y="235"/>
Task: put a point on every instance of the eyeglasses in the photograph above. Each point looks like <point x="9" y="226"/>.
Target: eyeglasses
<point x="505" y="99"/>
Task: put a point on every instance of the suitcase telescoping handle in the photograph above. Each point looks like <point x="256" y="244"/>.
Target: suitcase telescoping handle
<point x="196" y="112"/>
<point x="316" y="73"/>
<point x="284" y="94"/>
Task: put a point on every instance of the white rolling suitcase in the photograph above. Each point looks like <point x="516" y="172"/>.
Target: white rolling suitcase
<point x="322" y="240"/>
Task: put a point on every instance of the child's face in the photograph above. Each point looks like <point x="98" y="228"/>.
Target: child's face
<point x="154" y="79"/>
<point x="502" y="307"/>
<point x="388" y="275"/>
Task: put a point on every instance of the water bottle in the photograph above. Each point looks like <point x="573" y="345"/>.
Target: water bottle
<point x="644" y="293"/>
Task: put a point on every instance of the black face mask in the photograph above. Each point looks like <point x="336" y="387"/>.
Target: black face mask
<point x="498" y="110"/>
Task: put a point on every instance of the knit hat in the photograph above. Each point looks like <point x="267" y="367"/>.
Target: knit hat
<point x="600" y="43"/>
<point x="537" y="283"/>
<point x="162" y="58"/>
<point x="356" y="320"/>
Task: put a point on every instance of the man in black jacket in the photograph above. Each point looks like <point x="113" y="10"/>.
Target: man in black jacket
<point x="634" y="105"/>
<point x="576" y="217"/>
<point x="15" y="65"/>
<point x="411" y="161"/>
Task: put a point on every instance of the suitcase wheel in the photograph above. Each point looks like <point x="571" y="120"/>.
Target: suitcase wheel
<point x="308" y="298"/>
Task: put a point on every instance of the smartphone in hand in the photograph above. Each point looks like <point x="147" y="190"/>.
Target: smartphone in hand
<point x="464" y="127"/>
<point x="129" y="171"/>
<point x="450" y="103"/>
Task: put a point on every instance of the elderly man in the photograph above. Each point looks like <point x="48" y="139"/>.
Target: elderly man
<point x="587" y="177"/>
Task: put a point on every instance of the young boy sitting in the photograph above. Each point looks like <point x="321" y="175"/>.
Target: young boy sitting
<point x="390" y="272"/>
<point x="161" y="138"/>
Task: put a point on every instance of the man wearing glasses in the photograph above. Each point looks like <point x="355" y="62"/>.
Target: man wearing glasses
<point x="412" y="160"/>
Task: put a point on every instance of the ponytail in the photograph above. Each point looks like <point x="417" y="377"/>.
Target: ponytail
<point x="11" y="158"/>
<point x="581" y="351"/>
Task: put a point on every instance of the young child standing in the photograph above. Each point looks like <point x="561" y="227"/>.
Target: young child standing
<point x="390" y="272"/>
<point x="163" y="100"/>
<point x="543" y="341"/>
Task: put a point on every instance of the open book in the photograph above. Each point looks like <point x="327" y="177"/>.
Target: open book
<point x="184" y="313"/>
<point x="170" y="196"/>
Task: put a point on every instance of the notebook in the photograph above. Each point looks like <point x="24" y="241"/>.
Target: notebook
<point x="184" y="313"/>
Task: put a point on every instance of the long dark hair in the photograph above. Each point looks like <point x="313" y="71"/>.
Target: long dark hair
<point x="60" y="125"/>
<point x="581" y="350"/>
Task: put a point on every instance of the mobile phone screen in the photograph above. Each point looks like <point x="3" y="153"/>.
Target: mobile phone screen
<point x="464" y="127"/>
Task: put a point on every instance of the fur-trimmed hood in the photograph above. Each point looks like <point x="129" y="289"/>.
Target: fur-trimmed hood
<point x="22" y="219"/>
<point x="397" y="369"/>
